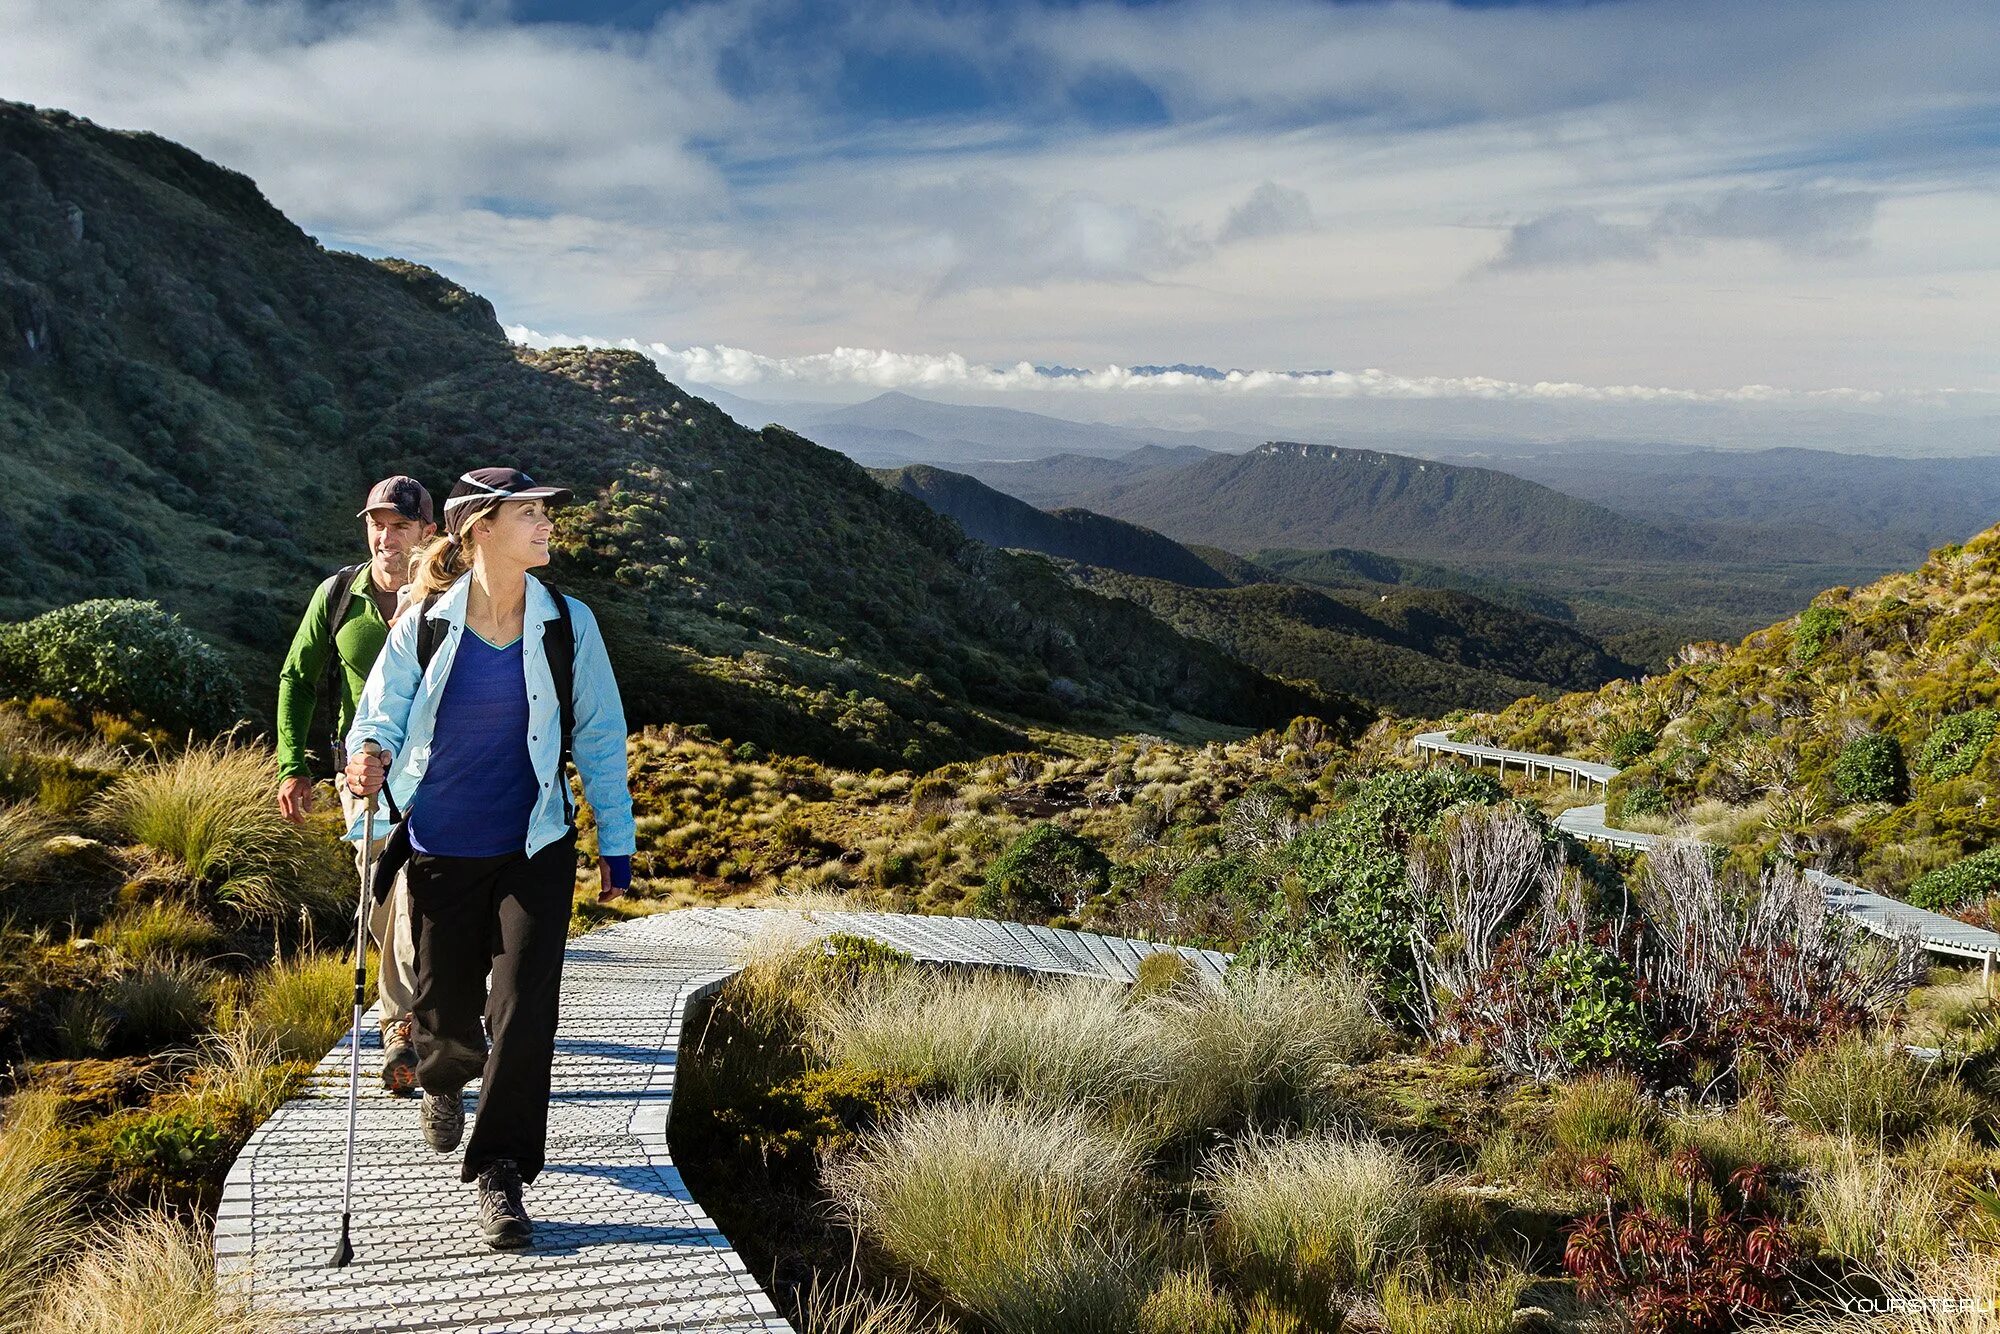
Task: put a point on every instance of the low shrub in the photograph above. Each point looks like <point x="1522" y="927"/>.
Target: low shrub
<point x="207" y="814"/>
<point x="1965" y="881"/>
<point x="792" y="1125"/>
<point x="1814" y="630"/>
<point x="1314" y="1216"/>
<point x="1046" y="872"/>
<point x="1023" y="1217"/>
<point x="1954" y="746"/>
<point x="1870" y="768"/>
<point x="122" y="656"/>
<point x="1631" y="746"/>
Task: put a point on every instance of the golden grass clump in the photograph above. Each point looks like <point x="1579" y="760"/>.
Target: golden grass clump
<point x="1320" y="1213"/>
<point x="207" y="815"/>
<point x="150" y="1272"/>
<point x="1020" y="1215"/>
<point x="25" y="830"/>
<point x="1594" y="1112"/>
<point x="300" y="1006"/>
<point x="1881" y="1213"/>
<point x="164" y="929"/>
<point x="38" y="1206"/>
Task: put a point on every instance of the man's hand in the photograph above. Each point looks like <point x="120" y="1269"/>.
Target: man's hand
<point x="606" y="891"/>
<point x="295" y="798"/>
<point x="364" y="772"/>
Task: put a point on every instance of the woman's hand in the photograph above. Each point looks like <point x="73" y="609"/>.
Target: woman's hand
<point x="365" y="769"/>
<point x="614" y="877"/>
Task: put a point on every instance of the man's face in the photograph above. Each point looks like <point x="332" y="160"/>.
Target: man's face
<point x="391" y="539"/>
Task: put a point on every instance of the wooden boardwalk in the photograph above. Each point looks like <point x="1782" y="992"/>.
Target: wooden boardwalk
<point x="1877" y="912"/>
<point x="619" y="1242"/>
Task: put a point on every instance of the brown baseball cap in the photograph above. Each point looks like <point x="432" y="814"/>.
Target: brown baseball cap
<point x="405" y="495"/>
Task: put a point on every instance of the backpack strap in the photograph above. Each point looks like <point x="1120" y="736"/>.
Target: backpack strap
<point x="340" y="593"/>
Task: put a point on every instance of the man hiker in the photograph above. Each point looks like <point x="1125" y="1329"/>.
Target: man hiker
<point x="345" y="626"/>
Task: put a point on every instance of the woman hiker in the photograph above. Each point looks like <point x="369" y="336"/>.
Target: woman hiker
<point x="464" y="704"/>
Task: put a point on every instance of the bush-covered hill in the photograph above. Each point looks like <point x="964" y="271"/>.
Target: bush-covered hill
<point x="1422" y="651"/>
<point x="999" y="520"/>
<point x="1292" y="495"/>
<point x="1856" y="735"/>
<point x="193" y="393"/>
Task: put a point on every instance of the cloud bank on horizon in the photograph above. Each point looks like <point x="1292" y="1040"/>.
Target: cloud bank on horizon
<point x="1529" y="199"/>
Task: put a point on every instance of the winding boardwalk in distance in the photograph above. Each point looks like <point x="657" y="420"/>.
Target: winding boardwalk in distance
<point x="1877" y="912"/>
<point x="619" y="1242"/>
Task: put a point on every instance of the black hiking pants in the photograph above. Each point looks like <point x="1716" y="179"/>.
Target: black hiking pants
<point x="510" y="915"/>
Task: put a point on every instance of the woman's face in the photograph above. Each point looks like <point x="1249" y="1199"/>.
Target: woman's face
<point x="515" y="533"/>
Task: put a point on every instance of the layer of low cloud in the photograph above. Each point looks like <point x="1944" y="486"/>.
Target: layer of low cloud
<point x="736" y="368"/>
<point x="1271" y="210"/>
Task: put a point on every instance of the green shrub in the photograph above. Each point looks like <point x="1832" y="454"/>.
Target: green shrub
<point x="1046" y="872"/>
<point x="1162" y="973"/>
<point x="812" y="1114"/>
<point x="1601" y="1022"/>
<point x="1815" y="630"/>
<point x="1238" y="883"/>
<point x="1964" y="881"/>
<point x="1870" y="768"/>
<point x="1627" y="797"/>
<point x="122" y="656"/>
<point x="1954" y="746"/>
<point x="301" y="1006"/>
<point x="1631" y="746"/>
<point x="1187" y="1301"/>
<point x="208" y="814"/>
<point x="1317" y="1215"/>
<point x="1023" y="1217"/>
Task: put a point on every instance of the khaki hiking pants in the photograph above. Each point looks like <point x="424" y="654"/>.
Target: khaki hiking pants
<point x="388" y="925"/>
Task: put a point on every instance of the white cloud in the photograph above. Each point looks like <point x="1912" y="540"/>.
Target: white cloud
<point x="1271" y="210"/>
<point x="1804" y="222"/>
<point x="881" y="369"/>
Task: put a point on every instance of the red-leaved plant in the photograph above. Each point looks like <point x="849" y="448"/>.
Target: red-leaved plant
<point x="1670" y="1276"/>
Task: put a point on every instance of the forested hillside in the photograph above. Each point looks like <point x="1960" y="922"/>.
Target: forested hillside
<point x="196" y="394"/>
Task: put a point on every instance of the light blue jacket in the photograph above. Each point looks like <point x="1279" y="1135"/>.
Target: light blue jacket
<point x="398" y="710"/>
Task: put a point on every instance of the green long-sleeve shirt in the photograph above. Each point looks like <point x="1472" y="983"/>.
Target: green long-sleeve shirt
<point x="358" y="640"/>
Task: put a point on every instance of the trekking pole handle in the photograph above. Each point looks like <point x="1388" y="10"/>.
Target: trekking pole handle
<point x="373" y="747"/>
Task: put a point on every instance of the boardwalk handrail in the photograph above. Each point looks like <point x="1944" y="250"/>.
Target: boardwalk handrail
<point x="1876" y="912"/>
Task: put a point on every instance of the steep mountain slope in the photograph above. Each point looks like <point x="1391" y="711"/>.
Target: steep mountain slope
<point x="1290" y="495"/>
<point x="1856" y="735"/>
<point x="1073" y="534"/>
<point x="1400" y="648"/>
<point x="195" y="394"/>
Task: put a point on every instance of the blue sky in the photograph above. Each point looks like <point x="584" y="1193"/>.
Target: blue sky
<point x="1468" y="199"/>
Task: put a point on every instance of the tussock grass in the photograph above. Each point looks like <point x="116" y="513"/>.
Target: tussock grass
<point x="38" y="1207"/>
<point x="165" y="928"/>
<point x="1866" y="1089"/>
<point x="243" y="1070"/>
<point x="162" y="1002"/>
<point x="1317" y="1214"/>
<point x="25" y="830"/>
<point x="1056" y="1043"/>
<point x="1592" y="1113"/>
<point x="207" y="814"/>
<point x="151" y="1272"/>
<point x="842" y="1306"/>
<point x="1483" y="1304"/>
<point x="1881" y="1214"/>
<point x="300" y="1006"/>
<point x="1187" y="1301"/>
<point x="1019" y="1215"/>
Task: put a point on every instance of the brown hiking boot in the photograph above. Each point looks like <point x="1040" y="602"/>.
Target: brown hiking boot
<point x="399" y="1058"/>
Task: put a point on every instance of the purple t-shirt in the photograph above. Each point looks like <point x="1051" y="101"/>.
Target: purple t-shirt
<point x="479" y="789"/>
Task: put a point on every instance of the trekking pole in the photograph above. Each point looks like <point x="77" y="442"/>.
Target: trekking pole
<point x="343" y="1250"/>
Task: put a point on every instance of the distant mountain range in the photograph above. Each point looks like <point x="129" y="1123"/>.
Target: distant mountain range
<point x="1414" y="650"/>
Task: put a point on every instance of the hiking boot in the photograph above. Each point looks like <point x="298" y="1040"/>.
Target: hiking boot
<point x="503" y="1222"/>
<point x="443" y="1115"/>
<point x="399" y="1058"/>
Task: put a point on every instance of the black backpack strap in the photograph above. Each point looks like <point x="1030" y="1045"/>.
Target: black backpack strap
<point x="559" y="648"/>
<point x="340" y="594"/>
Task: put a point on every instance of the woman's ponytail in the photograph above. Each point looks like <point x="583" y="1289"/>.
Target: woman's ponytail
<point x="437" y="565"/>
